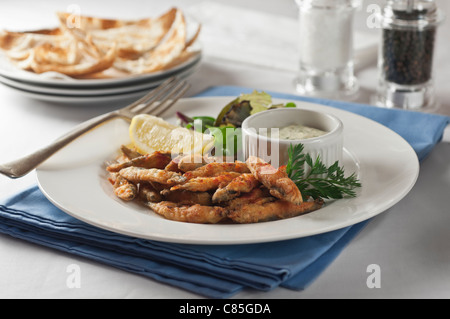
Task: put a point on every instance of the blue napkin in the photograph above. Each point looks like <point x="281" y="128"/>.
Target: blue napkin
<point x="213" y="271"/>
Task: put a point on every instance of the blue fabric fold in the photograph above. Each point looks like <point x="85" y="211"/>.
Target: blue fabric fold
<point x="213" y="271"/>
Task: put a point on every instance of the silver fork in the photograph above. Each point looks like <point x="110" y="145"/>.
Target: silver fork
<point x="156" y="103"/>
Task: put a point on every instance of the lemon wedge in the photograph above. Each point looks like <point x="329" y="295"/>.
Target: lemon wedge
<point x="149" y="133"/>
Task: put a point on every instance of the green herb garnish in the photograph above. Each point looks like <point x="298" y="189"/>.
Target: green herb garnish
<point x="315" y="180"/>
<point x="290" y="104"/>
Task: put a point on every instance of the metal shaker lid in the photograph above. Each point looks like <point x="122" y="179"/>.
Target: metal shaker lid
<point x="418" y="14"/>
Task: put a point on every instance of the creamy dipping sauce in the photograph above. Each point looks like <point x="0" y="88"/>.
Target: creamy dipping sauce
<point x="297" y="132"/>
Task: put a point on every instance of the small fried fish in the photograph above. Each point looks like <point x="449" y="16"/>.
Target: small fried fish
<point x="271" y="210"/>
<point x="204" y="184"/>
<point x="139" y="174"/>
<point x="242" y="184"/>
<point x="123" y="189"/>
<point x="276" y="180"/>
<point x="216" y="169"/>
<point x="155" y="160"/>
<point x="187" y="197"/>
<point x="189" y="213"/>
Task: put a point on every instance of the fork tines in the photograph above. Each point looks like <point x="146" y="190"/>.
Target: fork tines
<point x="162" y="97"/>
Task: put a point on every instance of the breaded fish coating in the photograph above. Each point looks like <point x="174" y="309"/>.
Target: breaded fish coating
<point x="139" y="174"/>
<point x="241" y="184"/>
<point x="123" y="188"/>
<point x="271" y="210"/>
<point x="148" y="193"/>
<point x="187" y="197"/>
<point x="155" y="160"/>
<point x="204" y="184"/>
<point x="129" y="153"/>
<point x="276" y="180"/>
<point x="216" y="169"/>
<point x="192" y="162"/>
<point x="189" y="213"/>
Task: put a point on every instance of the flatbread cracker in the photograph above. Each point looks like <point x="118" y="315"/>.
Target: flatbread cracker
<point x="85" y="66"/>
<point x="170" y="48"/>
<point x="102" y="48"/>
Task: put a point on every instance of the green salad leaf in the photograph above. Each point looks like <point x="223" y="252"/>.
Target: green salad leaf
<point x="235" y="112"/>
<point x="226" y="126"/>
<point x="259" y="101"/>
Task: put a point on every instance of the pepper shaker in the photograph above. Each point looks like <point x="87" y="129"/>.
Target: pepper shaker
<point x="326" y="47"/>
<point x="406" y="54"/>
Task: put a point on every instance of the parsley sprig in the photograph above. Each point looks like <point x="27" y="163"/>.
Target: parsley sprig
<point x="319" y="181"/>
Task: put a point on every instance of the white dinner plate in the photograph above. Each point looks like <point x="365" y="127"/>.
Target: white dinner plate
<point x="81" y="100"/>
<point x="75" y="180"/>
<point x="54" y="79"/>
<point x="95" y="90"/>
<point x="131" y="93"/>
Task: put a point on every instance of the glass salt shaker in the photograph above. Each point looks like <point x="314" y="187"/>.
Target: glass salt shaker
<point x="406" y="54"/>
<point x="326" y="48"/>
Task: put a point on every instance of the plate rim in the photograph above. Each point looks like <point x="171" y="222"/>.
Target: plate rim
<point x="93" y="91"/>
<point x="98" y="83"/>
<point x="218" y="241"/>
<point x="102" y="98"/>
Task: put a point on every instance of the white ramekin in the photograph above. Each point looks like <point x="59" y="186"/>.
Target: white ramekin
<point x="328" y="146"/>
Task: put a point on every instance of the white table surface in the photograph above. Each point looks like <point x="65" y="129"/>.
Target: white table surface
<point x="410" y="242"/>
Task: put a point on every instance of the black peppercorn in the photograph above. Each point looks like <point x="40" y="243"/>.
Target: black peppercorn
<point x="408" y="53"/>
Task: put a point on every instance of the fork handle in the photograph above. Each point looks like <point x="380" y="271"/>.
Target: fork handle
<point x="24" y="165"/>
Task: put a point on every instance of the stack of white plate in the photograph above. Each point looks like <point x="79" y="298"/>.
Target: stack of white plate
<point x="59" y="88"/>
